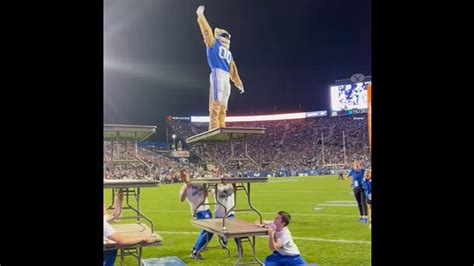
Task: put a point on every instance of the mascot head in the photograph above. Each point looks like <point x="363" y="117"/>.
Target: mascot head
<point x="223" y="37"/>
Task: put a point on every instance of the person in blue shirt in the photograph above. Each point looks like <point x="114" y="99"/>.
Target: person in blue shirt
<point x="367" y="184"/>
<point x="357" y="174"/>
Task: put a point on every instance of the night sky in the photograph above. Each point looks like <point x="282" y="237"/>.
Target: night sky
<point x="287" y="53"/>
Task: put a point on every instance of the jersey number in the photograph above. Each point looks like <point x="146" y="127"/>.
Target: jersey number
<point x="225" y="54"/>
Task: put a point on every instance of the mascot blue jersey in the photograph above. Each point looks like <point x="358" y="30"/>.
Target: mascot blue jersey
<point x="218" y="56"/>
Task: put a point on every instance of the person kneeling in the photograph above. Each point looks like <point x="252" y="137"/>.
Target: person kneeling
<point x="280" y="241"/>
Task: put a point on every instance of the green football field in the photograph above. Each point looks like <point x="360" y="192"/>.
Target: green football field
<point x="324" y="221"/>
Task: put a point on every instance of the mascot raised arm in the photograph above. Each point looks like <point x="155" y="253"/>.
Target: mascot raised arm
<point x="223" y="68"/>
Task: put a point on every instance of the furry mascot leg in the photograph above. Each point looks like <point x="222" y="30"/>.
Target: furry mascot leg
<point x="214" y="110"/>
<point x="222" y="115"/>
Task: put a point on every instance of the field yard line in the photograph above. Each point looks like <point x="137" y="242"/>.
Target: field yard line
<point x="279" y="202"/>
<point x="295" y="237"/>
<point x="272" y="213"/>
<point x="176" y="232"/>
<point x="304" y="191"/>
<point x="295" y="191"/>
<point x="332" y="240"/>
<point x="314" y="215"/>
<point x="337" y="205"/>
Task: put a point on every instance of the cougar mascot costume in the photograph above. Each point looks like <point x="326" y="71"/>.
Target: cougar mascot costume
<point x="222" y="68"/>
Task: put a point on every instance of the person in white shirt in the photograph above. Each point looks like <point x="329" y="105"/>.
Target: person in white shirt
<point x="225" y="195"/>
<point x="280" y="241"/>
<point x="195" y="194"/>
<point x="111" y="234"/>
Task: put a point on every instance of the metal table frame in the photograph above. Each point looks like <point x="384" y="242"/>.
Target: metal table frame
<point x="245" y="186"/>
<point x="238" y="184"/>
<point x="131" y="250"/>
<point x="245" y="236"/>
<point x="122" y="134"/>
<point x="130" y="188"/>
<point x="210" y="139"/>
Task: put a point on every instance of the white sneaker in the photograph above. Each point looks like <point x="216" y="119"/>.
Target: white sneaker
<point x="196" y="256"/>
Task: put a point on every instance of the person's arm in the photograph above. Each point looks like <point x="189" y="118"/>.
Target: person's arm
<point x="107" y="216"/>
<point x="272" y="244"/>
<point x="118" y="205"/>
<point x="206" y="30"/>
<point x="264" y="223"/>
<point x="130" y="240"/>
<point x="182" y="193"/>
<point x="352" y="177"/>
<point x="110" y="233"/>
<point x="364" y="185"/>
<point x="234" y="76"/>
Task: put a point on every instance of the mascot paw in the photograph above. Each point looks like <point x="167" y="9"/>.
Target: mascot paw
<point x="241" y="88"/>
<point x="200" y="11"/>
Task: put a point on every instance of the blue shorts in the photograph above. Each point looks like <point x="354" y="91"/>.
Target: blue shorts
<point x="276" y="259"/>
<point x="109" y="257"/>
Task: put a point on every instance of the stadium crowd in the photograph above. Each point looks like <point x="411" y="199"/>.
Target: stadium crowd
<point x="296" y="144"/>
<point x="288" y="147"/>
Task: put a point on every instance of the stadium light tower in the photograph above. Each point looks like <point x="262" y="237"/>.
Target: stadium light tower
<point x="344" y="147"/>
<point x="322" y="143"/>
<point x="174" y="141"/>
<point x="369" y="114"/>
